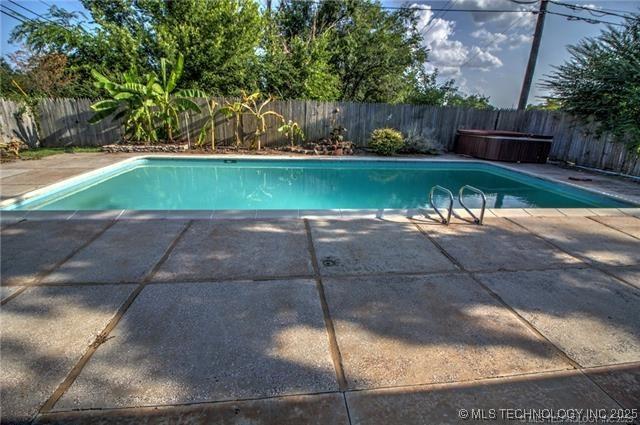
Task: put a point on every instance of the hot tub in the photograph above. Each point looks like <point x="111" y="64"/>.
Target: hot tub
<point x="510" y="146"/>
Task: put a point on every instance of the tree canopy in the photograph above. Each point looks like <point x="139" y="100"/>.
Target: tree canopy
<point x="601" y="82"/>
<point x="327" y="50"/>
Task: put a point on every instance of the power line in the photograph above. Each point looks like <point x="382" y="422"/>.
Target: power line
<point x="31" y="11"/>
<point x="18" y="14"/>
<point x="45" y="18"/>
<point x="595" y="12"/>
<point x="439" y="15"/>
<point x="440" y="9"/>
<point x="580" y="18"/>
<point x="14" y="17"/>
<point x="458" y="10"/>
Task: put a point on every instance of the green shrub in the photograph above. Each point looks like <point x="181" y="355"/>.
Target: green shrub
<point x="386" y="141"/>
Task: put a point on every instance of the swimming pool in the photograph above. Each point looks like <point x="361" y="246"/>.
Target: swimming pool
<point x="157" y="183"/>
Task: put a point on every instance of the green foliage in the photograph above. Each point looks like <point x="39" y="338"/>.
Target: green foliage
<point x="298" y="68"/>
<point x="292" y="131"/>
<point x="372" y="49"/>
<point x="548" y="105"/>
<point x="234" y="110"/>
<point x="218" y="37"/>
<point x="209" y="125"/>
<point x="386" y="141"/>
<point x="149" y="107"/>
<point x="39" y="153"/>
<point x="600" y="83"/>
<point x="326" y="50"/>
<point x="252" y="104"/>
<point x="425" y="90"/>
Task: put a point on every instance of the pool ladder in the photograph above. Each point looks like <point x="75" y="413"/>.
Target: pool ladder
<point x="446" y="220"/>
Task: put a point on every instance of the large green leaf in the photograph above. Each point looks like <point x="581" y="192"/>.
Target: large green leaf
<point x="133" y="88"/>
<point x="176" y="73"/>
<point x="100" y="115"/>
<point x="105" y="104"/>
<point x="187" y="105"/>
<point x="163" y="71"/>
<point x="124" y="95"/>
<point x="99" y="77"/>
<point x="191" y="93"/>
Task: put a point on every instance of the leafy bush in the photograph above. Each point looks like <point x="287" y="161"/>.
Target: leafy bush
<point x="386" y="141"/>
<point x="422" y="144"/>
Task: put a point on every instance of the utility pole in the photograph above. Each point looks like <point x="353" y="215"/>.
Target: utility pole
<point x="533" y="56"/>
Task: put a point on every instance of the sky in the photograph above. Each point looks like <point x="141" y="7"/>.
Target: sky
<point x="485" y="53"/>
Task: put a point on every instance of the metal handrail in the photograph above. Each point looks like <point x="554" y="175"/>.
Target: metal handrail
<point x="433" y="205"/>
<point x="476" y="219"/>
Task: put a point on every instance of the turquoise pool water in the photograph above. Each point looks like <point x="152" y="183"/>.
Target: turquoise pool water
<point x="198" y="183"/>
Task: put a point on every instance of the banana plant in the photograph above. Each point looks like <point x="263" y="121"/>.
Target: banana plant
<point x="292" y="131"/>
<point x="130" y="102"/>
<point x="235" y="110"/>
<point x="171" y="103"/>
<point x="149" y="107"/>
<point x="209" y="125"/>
<point x="257" y="109"/>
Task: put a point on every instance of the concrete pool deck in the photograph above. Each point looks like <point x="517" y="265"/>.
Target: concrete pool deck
<point x="360" y="321"/>
<point x="123" y="318"/>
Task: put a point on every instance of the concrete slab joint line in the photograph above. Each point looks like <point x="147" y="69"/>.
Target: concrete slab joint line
<point x="584" y="258"/>
<point x="104" y="335"/>
<point x="331" y="333"/>
<point x="519" y="317"/>
<point x="18" y="268"/>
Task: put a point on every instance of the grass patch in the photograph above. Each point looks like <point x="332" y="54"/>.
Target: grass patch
<point x="39" y="153"/>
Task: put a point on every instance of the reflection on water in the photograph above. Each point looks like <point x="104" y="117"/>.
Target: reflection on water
<point x="237" y="186"/>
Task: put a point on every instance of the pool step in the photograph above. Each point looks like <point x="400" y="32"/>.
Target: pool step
<point x="447" y="219"/>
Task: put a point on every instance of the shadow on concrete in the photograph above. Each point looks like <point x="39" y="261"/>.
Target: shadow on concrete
<point x="185" y="341"/>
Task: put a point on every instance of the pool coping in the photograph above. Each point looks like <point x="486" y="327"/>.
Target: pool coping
<point x="13" y="215"/>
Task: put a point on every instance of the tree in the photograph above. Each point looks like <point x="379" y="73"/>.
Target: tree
<point x="218" y="37"/>
<point x="298" y="67"/>
<point x="600" y="83"/>
<point x="424" y="89"/>
<point x="548" y="105"/>
<point x="370" y="50"/>
<point x="43" y="75"/>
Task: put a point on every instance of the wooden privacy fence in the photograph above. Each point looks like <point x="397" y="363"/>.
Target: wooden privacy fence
<point x="63" y="122"/>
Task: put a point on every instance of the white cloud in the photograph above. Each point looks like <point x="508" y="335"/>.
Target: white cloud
<point x="518" y="40"/>
<point x="482" y="59"/>
<point x="517" y="17"/>
<point x="448" y="55"/>
<point x="494" y="41"/>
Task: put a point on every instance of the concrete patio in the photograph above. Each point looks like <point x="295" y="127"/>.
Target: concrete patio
<point x="355" y="321"/>
<point x="122" y="318"/>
